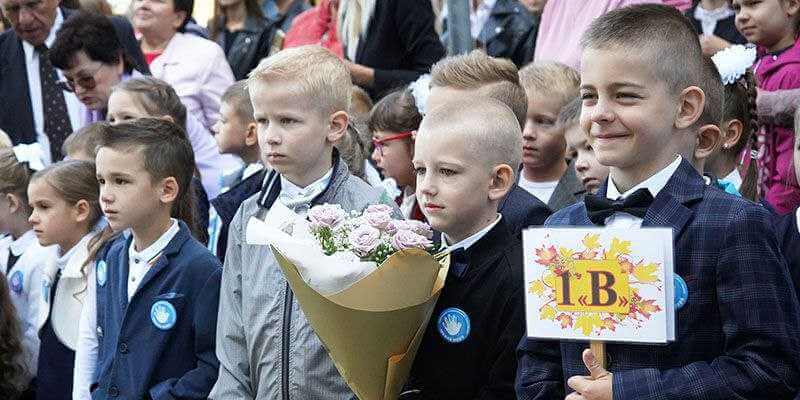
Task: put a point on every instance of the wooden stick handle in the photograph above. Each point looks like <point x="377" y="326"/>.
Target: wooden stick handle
<point x="599" y="350"/>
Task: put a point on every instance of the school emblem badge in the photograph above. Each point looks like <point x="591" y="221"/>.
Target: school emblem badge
<point x="102" y="271"/>
<point x="17" y="282"/>
<point x="681" y="292"/>
<point x="454" y="325"/>
<point x="163" y="315"/>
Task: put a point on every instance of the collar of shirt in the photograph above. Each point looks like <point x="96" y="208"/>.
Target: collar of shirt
<point x="735" y="178"/>
<point x="709" y="18"/>
<point x="407" y="203"/>
<point x="654" y="183"/>
<point x="292" y="195"/>
<point x="157" y="247"/>
<point x="468" y="242"/>
<point x="30" y="51"/>
<point x="251" y="169"/>
<point x="63" y="259"/>
<point x="19" y="245"/>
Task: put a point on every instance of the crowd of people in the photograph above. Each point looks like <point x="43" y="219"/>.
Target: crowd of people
<point x="135" y="149"/>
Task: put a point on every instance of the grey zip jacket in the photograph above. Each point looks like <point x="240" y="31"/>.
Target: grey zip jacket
<point x="265" y="345"/>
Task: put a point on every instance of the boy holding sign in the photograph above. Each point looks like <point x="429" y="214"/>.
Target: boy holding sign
<point x="466" y="155"/>
<point x="736" y="333"/>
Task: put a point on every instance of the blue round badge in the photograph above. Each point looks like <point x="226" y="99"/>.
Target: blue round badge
<point x="681" y="292"/>
<point x="454" y="325"/>
<point x="102" y="271"/>
<point x="163" y="315"/>
<point x="16" y="282"/>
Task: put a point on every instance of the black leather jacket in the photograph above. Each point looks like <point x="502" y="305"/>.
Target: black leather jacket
<point x="251" y="45"/>
<point x="510" y="32"/>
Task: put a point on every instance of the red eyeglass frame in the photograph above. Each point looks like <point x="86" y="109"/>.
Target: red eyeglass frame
<point x="379" y="143"/>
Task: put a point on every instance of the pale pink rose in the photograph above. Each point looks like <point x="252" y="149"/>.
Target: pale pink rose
<point x="364" y="239"/>
<point x="405" y="239"/>
<point x="378" y="217"/>
<point x="420" y="228"/>
<point x="326" y="216"/>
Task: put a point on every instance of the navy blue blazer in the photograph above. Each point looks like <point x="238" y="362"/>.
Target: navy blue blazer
<point x="789" y="239"/>
<point x="521" y="209"/>
<point x="160" y="345"/>
<point x="738" y="335"/>
<point x="226" y="205"/>
<point x="16" y="116"/>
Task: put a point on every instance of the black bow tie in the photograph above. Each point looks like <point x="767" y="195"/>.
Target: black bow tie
<point x="598" y="208"/>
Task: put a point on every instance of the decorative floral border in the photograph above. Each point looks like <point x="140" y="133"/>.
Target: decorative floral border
<point x="559" y="262"/>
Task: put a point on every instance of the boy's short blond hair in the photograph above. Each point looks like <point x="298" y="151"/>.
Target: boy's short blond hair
<point x="238" y="97"/>
<point x="85" y="140"/>
<point x="489" y="126"/>
<point x="550" y="78"/>
<point x="496" y="78"/>
<point x="318" y="72"/>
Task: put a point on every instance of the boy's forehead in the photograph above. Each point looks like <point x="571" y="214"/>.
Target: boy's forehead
<point x="617" y="64"/>
<point x="128" y="159"/>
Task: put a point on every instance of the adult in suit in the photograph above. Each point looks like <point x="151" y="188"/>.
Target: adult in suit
<point x="34" y="24"/>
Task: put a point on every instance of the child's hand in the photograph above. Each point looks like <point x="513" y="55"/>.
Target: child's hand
<point x="594" y="387"/>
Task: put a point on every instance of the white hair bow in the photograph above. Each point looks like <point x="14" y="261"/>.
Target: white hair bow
<point x="733" y="62"/>
<point x="420" y="89"/>
<point x="31" y="154"/>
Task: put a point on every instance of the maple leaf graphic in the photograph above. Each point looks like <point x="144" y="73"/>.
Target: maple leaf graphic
<point x="547" y="255"/>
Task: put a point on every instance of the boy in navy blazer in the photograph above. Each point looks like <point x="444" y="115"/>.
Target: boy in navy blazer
<point x="737" y="332"/>
<point x="158" y="289"/>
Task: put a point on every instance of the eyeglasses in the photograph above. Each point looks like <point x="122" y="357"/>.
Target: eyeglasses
<point x="87" y="81"/>
<point x="379" y="143"/>
<point x="30" y="6"/>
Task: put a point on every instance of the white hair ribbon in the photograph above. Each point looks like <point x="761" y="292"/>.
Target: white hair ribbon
<point x="733" y="62"/>
<point x="420" y="89"/>
<point x="31" y="154"/>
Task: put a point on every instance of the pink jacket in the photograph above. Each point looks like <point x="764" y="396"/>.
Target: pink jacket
<point x="563" y="23"/>
<point x="780" y="188"/>
<point x="199" y="72"/>
<point x="315" y="26"/>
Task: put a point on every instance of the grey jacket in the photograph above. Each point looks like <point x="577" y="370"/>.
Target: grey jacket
<point x="568" y="191"/>
<point x="265" y="344"/>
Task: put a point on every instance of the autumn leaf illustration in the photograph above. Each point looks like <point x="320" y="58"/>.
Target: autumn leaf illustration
<point x="537" y="287"/>
<point x="548" y="313"/>
<point x="547" y="255"/>
<point x="610" y="324"/>
<point x="626" y="266"/>
<point x="618" y="248"/>
<point x="565" y="252"/>
<point x="586" y="322"/>
<point x="592" y="241"/>
<point x="646" y="273"/>
<point x="565" y="319"/>
<point x="647" y="308"/>
<point x="549" y="279"/>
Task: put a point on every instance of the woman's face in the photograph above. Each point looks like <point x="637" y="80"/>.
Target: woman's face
<point x="92" y="80"/>
<point x="157" y="17"/>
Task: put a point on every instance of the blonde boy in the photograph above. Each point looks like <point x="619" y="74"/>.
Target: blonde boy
<point x="267" y="349"/>
<point x="737" y="323"/>
<point x="466" y="157"/>
<point x="546" y="174"/>
<point x="476" y="75"/>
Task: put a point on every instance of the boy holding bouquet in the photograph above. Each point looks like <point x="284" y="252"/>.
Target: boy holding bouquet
<point x="266" y="347"/>
<point x="466" y="157"/>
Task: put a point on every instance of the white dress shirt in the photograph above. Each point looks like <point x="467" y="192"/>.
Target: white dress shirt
<point x="35" y="90"/>
<point x="139" y="262"/>
<point x="468" y="242"/>
<point x="541" y="190"/>
<point x="654" y="184"/>
<point x="293" y="196"/>
<point x="407" y="205"/>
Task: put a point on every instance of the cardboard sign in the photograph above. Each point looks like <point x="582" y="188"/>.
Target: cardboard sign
<point x="600" y="284"/>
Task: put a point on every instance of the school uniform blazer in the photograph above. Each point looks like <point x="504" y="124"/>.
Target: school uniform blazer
<point x="568" y="191"/>
<point x="789" y="240"/>
<point x="199" y="84"/>
<point x="69" y="294"/>
<point x="521" y="209"/>
<point x="180" y="292"/>
<point x="16" y="117"/>
<point x="736" y="336"/>
<point x="25" y="285"/>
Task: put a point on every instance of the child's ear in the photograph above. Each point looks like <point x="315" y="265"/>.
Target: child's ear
<point x="169" y="190"/>
<point x="251" y="135"/>
<point x="502" y="181"/>
<point x="709" y="140"/>
<point x="692" y="100"/>
<point x="733" y="132"/>
<point x="338" y="126"/>
<point x="14" y="203"/>
<point x="81" y="210"/>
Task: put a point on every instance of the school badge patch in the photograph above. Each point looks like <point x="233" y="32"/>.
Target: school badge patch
<point x="454" y="325"/>
<point x="17" y="282"/>
<point x="163" y="315"/>
<point x="102" y="271"/>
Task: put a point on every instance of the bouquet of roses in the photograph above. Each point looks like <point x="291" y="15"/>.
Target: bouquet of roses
<point x="367" y="283"/>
